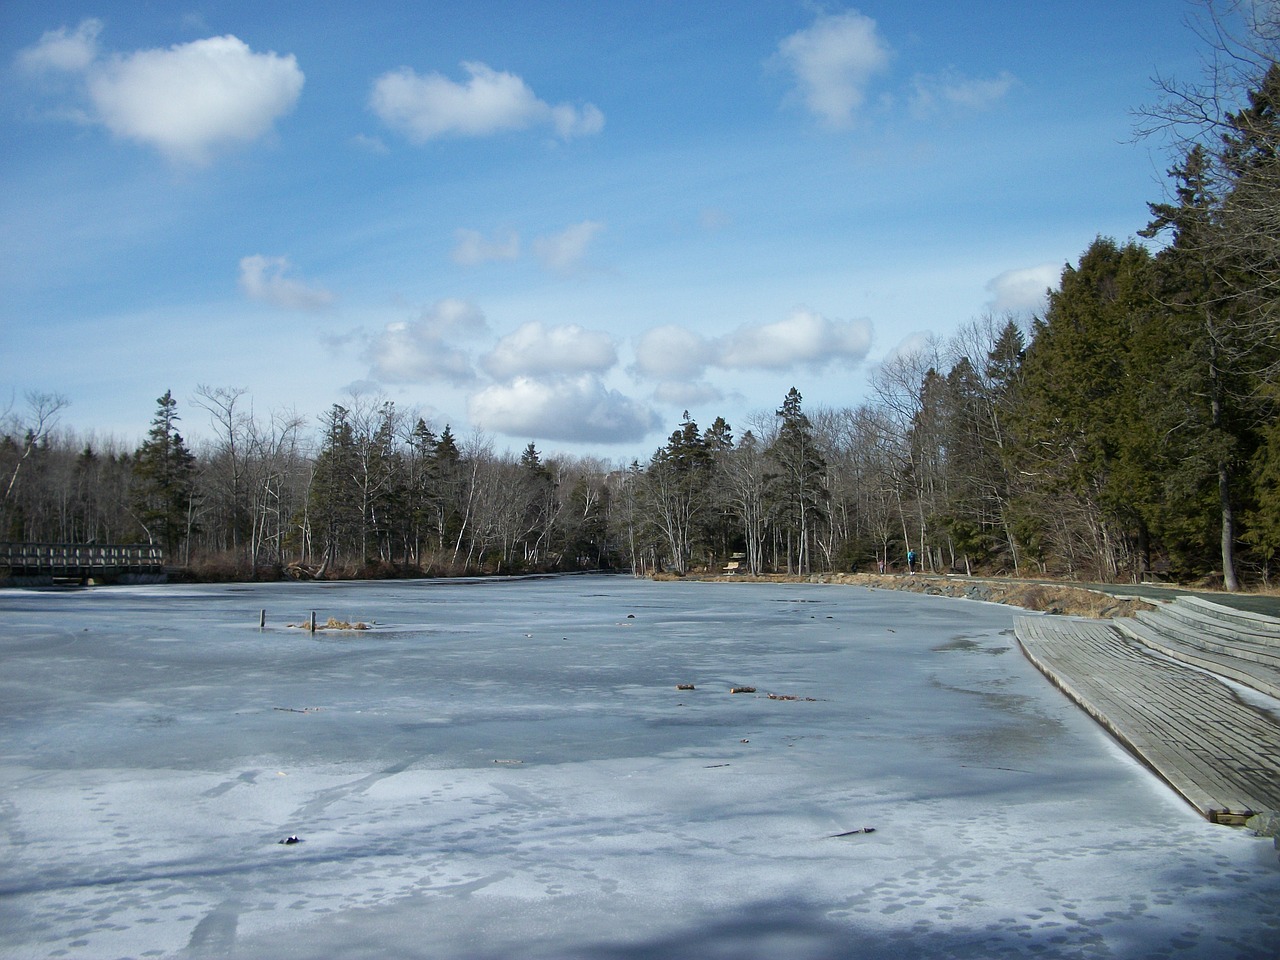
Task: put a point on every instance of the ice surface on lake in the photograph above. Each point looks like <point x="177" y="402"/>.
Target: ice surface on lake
<point x="506" y="769"/>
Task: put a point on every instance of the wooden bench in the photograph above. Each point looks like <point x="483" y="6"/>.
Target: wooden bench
<point x="1217" y="751"/>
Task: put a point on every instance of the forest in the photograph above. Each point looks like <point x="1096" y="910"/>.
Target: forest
<point x="1130" y="432"/>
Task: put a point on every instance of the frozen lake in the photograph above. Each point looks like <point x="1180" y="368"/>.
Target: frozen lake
<point x="506" y="769"/>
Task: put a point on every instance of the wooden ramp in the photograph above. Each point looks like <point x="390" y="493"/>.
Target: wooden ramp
<point x="1186" y="632"/>
<point x="1217" y="751"/>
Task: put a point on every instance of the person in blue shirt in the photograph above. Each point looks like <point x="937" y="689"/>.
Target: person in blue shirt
<point x="911" y="562"/>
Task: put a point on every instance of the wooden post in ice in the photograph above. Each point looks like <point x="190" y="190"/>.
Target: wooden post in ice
<point x="313" y="621"/>
<point x="262" y="620"/>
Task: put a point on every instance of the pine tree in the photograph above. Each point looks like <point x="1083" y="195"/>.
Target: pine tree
<point x="538" y="505"/>
<point x="1197" y="390"/>
<point x="1073" y="428"/>
<point x="674" y="491"/>
<point x="333" y="503"/>
<point x="796" y="489"/>
<point x="744" y="473"/>
<point x="164" y="474"/>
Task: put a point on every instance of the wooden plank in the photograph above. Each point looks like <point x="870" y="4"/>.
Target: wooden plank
<point x="1218" y="753"/>
<point x="1219" y="638"/>
<point x="1242" y="663"/>
<point x="1244" y="621"/>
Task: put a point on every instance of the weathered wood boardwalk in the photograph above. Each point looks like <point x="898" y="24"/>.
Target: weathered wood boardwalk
<point x="1156" y="685"/>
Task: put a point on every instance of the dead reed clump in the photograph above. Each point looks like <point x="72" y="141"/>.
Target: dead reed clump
<point x="333" y="623"/>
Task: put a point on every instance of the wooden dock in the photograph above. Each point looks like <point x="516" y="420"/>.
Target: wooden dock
<point x="1156" y="684"/>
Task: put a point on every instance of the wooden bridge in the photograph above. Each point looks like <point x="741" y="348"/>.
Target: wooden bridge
<point x="35" y="563"/>
<point x="1167" y="685"/>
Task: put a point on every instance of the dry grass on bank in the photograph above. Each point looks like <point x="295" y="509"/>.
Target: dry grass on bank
<point x="1047" y="598"/>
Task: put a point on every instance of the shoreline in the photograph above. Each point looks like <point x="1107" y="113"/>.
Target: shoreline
<point x="1060" y="599"/>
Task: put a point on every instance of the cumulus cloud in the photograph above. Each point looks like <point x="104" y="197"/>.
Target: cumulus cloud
<point x="535" y="350"/>
<point x="686" y="394"/>
<point x="805" y="339"/>
<point x="573" y="409"/>
<point x="263" y="278"/>
<point x="418" y="351"/>
<point x="423" y="108"/>
<point x="948" y="90"/>
<point x="59" y="50"/>
<point x="474" y="248"/>
<point x="565" y="251"/>
<point x="195" y="98"/>
<point x="672" y="353"/>
<point x="188" y="101"/>
<point x="914" y="344"/>
<point x="678" y="358"/>
<point x="1024" y="289"/>
<point x="833" y="61"/>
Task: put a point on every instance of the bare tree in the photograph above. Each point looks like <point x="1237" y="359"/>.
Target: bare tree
<point x="33" y="427"/>
<point x="1226" y="120"/>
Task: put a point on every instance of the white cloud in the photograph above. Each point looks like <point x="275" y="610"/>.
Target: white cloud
<point x="63" y="51"/>
<point x="406" y="353"/>
<point x="571" y="122"/>
<point x="914" y="344"/>
<point x="686" y="394"/>
<point x="537" y="350"/>
<point x="454" y="317"/>
<point x="1023" y="290"/>
<point x="672" y="353"/>
<point x="577" y="409"/>
<point x="371" y="144"/>
<point x="804" y="339"/>
<point x="194" y="98"/>
<point x="833" y="61"/>
<point x="565" y="251"/>
<point x="932" y="93"/>
<point x="417" y="352"/>
<point x="263" y="278"/>
<point x="426" y="107"/>
<point x="474" y="248"/>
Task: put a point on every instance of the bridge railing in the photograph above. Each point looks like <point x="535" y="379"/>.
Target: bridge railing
<point x="55" y="557"/>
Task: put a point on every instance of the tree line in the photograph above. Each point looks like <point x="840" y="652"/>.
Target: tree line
<point x="1129" y="431"/>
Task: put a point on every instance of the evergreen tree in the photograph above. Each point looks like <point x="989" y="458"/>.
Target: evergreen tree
<point x="164" y="472"/>
<point x="448" y="474"/>
<point x="795" y="488"/>
<point x="717" y="526"/>
<point x="419" y="486"/>
<point x="744" y="472"/>
<point x="675" y="490"/>
<point x="333" y="503"/>
<point x="538" y="505"/>
<point x="1197" y="388"/>
<point x="1073" y="429"/>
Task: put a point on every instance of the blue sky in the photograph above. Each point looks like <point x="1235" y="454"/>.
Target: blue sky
<point x="559" y="222"/>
